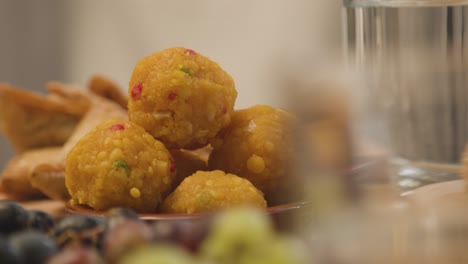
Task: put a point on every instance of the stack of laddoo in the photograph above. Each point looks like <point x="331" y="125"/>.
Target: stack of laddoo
<point x="184" y="148"/>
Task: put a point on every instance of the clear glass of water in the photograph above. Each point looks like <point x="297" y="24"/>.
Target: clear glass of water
<point x="415" y="56"/>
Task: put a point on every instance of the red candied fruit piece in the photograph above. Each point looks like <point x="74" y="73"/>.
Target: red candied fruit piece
<point x="173" y="166"/>
<point x="224" y="110"/>
<point x="172" y="95"/>
<point x="190" y="52"/>
<point x="137" y="90"/>
<point x="117" y="127"/>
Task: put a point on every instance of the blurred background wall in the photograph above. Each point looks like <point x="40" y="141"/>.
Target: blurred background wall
<point x="70" y="40"/>
<point x="32" y="48"/>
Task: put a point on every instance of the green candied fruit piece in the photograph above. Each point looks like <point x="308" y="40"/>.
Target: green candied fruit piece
<point x="186" y="70"/>
<point x="120" y="164"/>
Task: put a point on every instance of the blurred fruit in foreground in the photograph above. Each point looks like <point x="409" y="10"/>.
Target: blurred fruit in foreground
<point x="125" y="237"/>
<point x="187" y="233"/>
<point x="13" y="217"/>
<point x="40" y="221"/>
<point x="7" y="254"/>
<point x="32" y="246"/>
<point x="119" y="214"/>
<point x="236" y="235"/>
<point x="246" y="235"/>
<point x="79" y="229"/>
<point x="158" y="254"/>
<point x="77" y="255"/>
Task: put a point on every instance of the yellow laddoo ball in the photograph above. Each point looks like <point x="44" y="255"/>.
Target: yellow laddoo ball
<point x="181" y="97"/>
<point x="206" y="191"/>
<point x="118" y="164"/>
<point x="258" y="145"/>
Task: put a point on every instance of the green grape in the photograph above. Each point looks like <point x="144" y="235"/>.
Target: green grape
<point x="158" y="254"/>
<point x="277" y="251"/>
<point x="236" y="230"/>
<point x="246" y="236"/>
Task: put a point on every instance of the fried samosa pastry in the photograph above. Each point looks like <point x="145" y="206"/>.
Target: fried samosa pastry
<point x="15" y="177"/>
<point x="78" y="100"/>
<point x="108" y="89"/>
<point x="32" y="120"/>
<point x="33" y="123"/>
<point x="49" y="177"/>
<point x="50" y="180"/>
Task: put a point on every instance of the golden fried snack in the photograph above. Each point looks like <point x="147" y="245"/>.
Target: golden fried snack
<point x="108" y="89"/>
<point x="207" y="191"/>
<point x="181" y="97"/>
<point x="49" y="178"/>
<point x="77" y="99"/>
<point x="31" y="120"/>
<point x="15" y="177"/>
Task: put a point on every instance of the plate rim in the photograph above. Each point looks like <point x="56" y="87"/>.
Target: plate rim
<point x="84" y="210"/>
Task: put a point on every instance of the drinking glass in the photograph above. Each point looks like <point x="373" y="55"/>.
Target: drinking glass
<point x="414" y="54"/>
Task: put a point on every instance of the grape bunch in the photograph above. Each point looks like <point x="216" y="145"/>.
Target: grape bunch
<point x="237" y="236"/>
<point x="25" y="235"/>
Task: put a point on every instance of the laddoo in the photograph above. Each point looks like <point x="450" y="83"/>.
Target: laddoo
<point x="118" y="164"/>
<point x="206" y="191"/>
<point x="181" y="97"/>
<point x="258" y="145"/>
